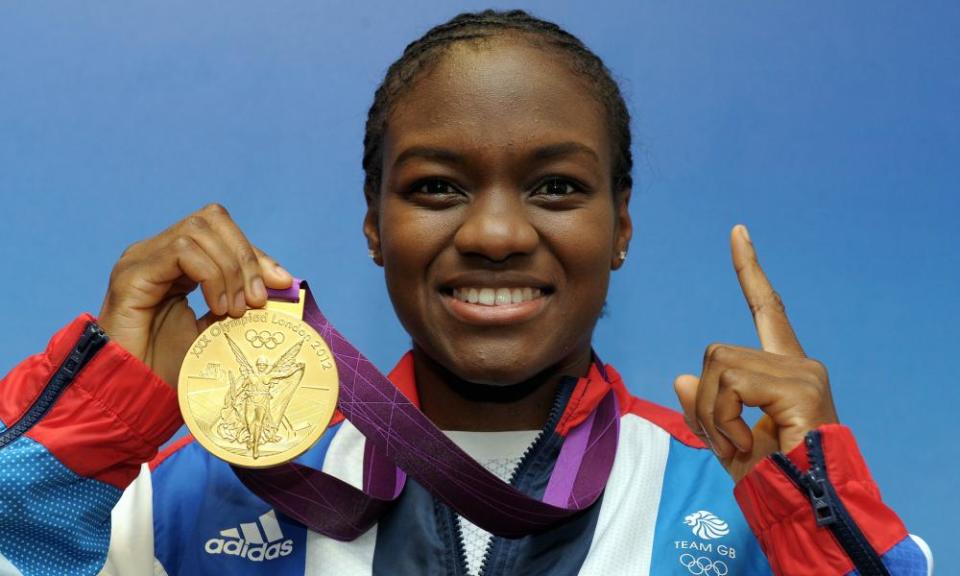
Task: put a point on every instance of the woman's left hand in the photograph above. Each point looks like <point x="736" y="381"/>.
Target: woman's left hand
<point x="792" y="390"/>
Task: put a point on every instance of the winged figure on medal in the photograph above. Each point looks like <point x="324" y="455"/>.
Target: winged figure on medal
<point x="256" y="400"/>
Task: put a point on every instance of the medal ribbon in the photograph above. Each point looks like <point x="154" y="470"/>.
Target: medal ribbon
<point x="401" y="440"/>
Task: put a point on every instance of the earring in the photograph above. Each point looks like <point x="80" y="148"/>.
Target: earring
<point x="623" y="256"/>
<point x="372" y="254"/>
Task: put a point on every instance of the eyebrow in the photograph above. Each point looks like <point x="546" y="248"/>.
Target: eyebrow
<point x="564" y="149"/>
<point x="447" y="156"/>
<point x="428" y="153"/>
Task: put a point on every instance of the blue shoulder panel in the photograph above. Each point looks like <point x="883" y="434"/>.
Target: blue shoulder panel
<point x="699" y="525"/>
<point x="52" y="521"/>
<point x="207" y="522"/>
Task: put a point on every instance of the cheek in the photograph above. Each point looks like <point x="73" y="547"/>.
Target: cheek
<point x="410" y="241"/>
<point x="583" y="248"/>
<point x="410" y="235"/>
<point x="582" y="241"/>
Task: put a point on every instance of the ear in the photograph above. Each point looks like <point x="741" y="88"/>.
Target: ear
<point x="371" y="226"/>
<point x="624" y="229"/>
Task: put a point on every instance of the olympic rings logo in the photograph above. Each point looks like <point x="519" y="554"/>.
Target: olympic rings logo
<point x="703" y="565"/>
<point x="264" y="339"/>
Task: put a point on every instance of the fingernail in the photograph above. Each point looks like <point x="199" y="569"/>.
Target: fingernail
<point x="240" y="301"/>
<point x="746" y="234"/>
<point x="281" y="270"/>
<point x="257" y="289"/>
<point x="222" y="304"/>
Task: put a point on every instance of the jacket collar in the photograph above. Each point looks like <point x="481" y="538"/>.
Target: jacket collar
<point x="587" y="393"/>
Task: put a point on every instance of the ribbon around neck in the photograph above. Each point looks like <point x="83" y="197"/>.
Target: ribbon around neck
<point x="401" y="441"/>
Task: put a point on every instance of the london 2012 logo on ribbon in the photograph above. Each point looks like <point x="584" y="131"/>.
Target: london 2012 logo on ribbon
<point x="706" y="525"/>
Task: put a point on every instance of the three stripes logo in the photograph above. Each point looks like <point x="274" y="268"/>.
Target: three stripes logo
<point x="250" y="542"/>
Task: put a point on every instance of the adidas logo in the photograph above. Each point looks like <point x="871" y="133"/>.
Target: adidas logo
<point x="253" y="545"/>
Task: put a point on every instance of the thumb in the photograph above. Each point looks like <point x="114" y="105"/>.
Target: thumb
<point x="686" y="386"/>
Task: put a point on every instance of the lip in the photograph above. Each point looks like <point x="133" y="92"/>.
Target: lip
<point x="502" y="315"/>
<point x="487" y="279"/>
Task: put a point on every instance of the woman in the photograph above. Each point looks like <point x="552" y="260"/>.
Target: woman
<point x="497" y="160"/>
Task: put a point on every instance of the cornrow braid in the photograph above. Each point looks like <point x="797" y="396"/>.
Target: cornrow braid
<point x="428" y="49"/>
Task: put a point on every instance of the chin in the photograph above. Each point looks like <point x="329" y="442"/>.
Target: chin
<point x="499" y="375"/>
<point x="498" y="363"/>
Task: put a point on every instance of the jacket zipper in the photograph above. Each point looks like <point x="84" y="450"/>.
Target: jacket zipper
<point x="539" y="444"/>
<point x="828" y="509"/>
<point x="90" y="342"/>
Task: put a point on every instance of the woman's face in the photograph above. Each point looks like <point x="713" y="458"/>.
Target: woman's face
<point x="496" y="224"/>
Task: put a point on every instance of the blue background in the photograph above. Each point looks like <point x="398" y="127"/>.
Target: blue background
<point x="831" y="129"/>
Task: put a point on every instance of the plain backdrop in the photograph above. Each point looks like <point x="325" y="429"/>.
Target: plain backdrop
<point x="831" y="129"/>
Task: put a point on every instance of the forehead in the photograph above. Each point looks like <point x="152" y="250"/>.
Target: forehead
<point x="501" y="93"/>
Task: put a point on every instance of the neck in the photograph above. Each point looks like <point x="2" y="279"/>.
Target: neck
<point x="456" y="404"/>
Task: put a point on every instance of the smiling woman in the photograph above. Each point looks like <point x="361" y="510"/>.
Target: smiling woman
<point x="497" y="161"/>
<point x="497" y="180"/>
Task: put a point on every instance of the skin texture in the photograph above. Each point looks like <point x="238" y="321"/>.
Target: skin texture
<point x="145" y="309"/>
<point x="792" y="390"/>
<point x="497" y="172"/>
<point x="470" y="198"/>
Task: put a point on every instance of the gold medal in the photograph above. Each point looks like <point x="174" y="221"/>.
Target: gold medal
<point x="259" y="390"/>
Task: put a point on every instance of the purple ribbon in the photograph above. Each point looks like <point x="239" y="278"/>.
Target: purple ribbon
<point x="401" y="440"/>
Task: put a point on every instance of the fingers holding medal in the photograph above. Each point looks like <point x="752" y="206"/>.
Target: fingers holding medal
<point x="145" y="308"/>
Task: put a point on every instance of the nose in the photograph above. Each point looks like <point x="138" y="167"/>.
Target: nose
<point x="496" y="227"/>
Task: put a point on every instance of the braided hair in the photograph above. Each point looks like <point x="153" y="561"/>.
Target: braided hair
<point x="420" y="54"/>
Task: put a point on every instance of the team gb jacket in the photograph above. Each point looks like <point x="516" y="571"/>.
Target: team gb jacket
<point x="83" y="491"/>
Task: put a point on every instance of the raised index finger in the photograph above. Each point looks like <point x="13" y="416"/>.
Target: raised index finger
<point x="769" y="315"/>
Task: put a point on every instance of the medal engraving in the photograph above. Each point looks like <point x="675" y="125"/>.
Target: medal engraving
<point x="258" y="390"/>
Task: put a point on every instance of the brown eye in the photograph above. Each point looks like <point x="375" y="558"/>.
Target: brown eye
<point x="434" y="188"/>
<point x="434" y="193"/>
<point x="557" y="187"/>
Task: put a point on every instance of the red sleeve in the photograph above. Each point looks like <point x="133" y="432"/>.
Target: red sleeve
<point x="781" y="516"/>
<point x="111" y="417"/>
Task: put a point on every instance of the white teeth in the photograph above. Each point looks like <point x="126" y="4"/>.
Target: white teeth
<point x="487" y="296"/>
<point x="496" y="296"/>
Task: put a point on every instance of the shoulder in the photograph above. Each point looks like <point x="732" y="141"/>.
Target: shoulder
<point x="667" y="419"/>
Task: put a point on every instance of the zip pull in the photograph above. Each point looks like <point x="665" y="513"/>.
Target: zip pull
<point x="828" y="509"/>
<point x="93" y="337"/>
<point x="816" y="482"/>
<point x="93" y="333"/>
<point x="823" y="509"/>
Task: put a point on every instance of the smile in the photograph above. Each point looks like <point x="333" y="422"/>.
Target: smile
<point x="485" y="306"/>
<point x="496" y="296"/>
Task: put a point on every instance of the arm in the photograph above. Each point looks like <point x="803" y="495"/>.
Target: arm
<point x="817" y="510"/>
<point x="77" y="422"/>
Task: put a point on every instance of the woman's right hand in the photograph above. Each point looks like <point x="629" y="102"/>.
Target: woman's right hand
<point x="145" y="309"/>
